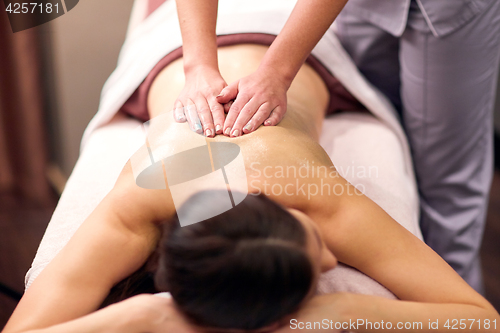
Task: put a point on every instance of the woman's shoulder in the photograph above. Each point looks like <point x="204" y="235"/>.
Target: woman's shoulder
<point x="139" y="207"/>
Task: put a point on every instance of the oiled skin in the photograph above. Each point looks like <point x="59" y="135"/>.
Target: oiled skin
<point x="292" y="143"/>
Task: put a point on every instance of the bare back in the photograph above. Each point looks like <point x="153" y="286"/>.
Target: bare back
<point x="273" y="155"/>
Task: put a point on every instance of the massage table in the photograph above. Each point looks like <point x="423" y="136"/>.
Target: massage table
<point x="368" y="149"/>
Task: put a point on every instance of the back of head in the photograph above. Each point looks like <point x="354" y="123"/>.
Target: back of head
<point x="245" y="268"/>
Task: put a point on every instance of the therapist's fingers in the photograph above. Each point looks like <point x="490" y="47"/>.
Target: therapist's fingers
<point x="218" y="115"/>
<point x="228" y="93"/>
<point x="192" y="117"/>
<point x="276" y="116"/>
<point x="178" y="112"/>
<point x="227" y="106"/>
<point x="205" y="116"/>
<point x="233" y="114"/>
<point x="244" y="116"/>
<point x="258" y="118"/>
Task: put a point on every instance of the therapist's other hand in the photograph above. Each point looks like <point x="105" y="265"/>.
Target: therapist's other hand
<point x="197" y="103"/>
<point x="259" y="98"/>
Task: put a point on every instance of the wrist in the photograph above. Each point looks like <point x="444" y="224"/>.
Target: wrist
<point x="204" y="59"/>
<point x="279" y="72"/>
<point x="194" y="69"/>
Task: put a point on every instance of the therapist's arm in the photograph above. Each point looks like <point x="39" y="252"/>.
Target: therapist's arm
<point x="197" y="21"/>
<point x="264" y="91"/>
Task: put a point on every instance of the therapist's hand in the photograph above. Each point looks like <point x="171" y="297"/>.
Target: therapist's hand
<point x="197" y="103"/>
<point x="259" y="98"/>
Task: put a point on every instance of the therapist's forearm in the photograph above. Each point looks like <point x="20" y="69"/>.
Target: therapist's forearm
<point x="197" y="21"/>
<point x="306" y="25"/>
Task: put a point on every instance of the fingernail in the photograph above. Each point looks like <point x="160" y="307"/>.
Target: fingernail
<point x="236" y="133"/>
<point x="227" y="131"/>
<point x="248" y="127"/>
<point x="179" y="114"/>
<point x="197" y="128"/>
<point x="220" y="95"/>
<point x="218" y="128"/>
<point x="208" y="132"/>
<point x="267" y="122"/>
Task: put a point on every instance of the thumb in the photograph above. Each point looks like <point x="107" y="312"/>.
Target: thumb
<point x="228" y="93"/>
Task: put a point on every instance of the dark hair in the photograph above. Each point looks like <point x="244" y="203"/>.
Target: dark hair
<point x="245" y="268"/>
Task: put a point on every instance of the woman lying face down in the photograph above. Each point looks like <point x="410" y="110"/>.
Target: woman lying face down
<point x="252" y="265"/>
